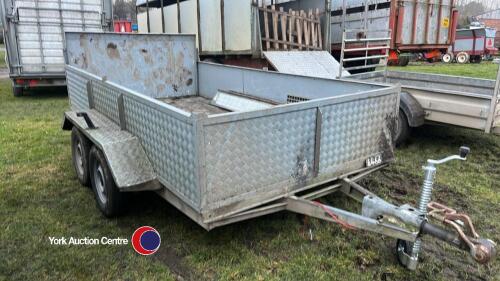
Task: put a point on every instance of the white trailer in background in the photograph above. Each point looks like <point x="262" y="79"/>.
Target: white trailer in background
<point x="34" y="36"/>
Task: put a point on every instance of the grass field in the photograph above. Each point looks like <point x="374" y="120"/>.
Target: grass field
<point x="40" y="197"/>
<point x="485" y="70"/>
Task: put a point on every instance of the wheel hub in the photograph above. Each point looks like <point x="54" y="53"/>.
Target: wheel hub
<point x="100" y="184"/>
<point x="79" y="158"/>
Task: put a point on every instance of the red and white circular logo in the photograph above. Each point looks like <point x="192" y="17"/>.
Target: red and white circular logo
<point x="146" y="240"/>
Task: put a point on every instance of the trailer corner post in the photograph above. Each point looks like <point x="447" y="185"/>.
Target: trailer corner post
<point x="493" y="104"/>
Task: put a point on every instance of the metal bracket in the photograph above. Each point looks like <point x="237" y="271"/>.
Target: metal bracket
<point x="354" y="221"/>
<point x="87" y="119"/>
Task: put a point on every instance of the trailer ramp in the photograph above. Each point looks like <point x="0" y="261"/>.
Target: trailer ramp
<point x="308" y="63"/>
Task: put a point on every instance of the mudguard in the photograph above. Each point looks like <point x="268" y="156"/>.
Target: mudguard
<point x="412" y="109"/>
<point x="131" y="169"/>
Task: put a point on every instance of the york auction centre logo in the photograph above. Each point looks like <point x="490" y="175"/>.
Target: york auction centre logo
<point x="146" y="240"/>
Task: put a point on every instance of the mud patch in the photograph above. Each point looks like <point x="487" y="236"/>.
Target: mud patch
<point x="301" y="169"/>
<point x="386" y="137"/>
<point x="175" y="262"/>
<point x="112" y="51"/>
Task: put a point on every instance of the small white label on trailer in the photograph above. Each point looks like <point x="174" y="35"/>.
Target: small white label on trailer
<point x="374" y="160"/>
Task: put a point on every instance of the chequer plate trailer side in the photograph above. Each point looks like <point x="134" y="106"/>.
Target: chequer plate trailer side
<point x="144" y="116"/>
<point x="425" y="98"/>
<point x="443" y="99"/>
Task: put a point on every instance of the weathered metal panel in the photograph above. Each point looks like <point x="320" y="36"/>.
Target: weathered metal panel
<point x="77" y="90"/>
<point x="428" y="19"/>
<point x="210" y="26"/>
<point x="171" y="21"/>
<point x="311" y="63"/>
<point x="355" y="130"/>
<point x="269" y="154"/>
<point x="445" y="99"/>
<point x="272" y="85"/>
<point x="105" y="100"/>
<point x="188" y="17"/>
<point x="158" y="65"/>
<point x="238" y="25"/>
<point x="425" y="12"/>
<point x="142" y="22"/>
<point x="155" y="23"/>
<point x="378" y="19"/>
<point x="170" y="145"/>
<point x="254" y="157"/>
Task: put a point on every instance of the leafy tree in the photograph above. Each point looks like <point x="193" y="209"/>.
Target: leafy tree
<point x="124" y="9"/>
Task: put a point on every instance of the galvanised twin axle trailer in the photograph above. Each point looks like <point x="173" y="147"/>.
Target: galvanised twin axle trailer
<point x="225" y="144"/>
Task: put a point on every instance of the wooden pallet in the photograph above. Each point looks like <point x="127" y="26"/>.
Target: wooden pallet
<point x="292" y="30"/>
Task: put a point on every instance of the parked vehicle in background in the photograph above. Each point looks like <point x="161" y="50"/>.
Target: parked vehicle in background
<point x="418" y="27"/>
<point x="450" y="100"/>
<point x="472" y="45"/>
<point x="491" y="19"/>
<point x="34" y="37"/>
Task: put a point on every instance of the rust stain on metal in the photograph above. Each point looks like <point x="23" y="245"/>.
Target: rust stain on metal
<point x="301" y="168"/>
<point x="112" y="51"/>
<point x="385" y="142"/>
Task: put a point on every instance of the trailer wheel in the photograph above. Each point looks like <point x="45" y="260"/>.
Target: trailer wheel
<point x="447" y="58"/>
<point x="17" y="91"/>
<point x="402" y="128"/>
<point x="80" y="149"/>
<point x="403" y="247"/>
<point x="109" y="199"/>
<point x="476" y="59"/>
<point x="403" y="61"/>
<point x="462" y="58"/>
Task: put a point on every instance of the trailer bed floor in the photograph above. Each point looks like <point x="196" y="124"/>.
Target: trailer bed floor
<point x="194" y="104"/>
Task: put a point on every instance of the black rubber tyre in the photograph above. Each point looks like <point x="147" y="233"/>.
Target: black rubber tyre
<point x="402" y="129"/>
<point x="402" y="246"/>
<point x="110" y="200"/>
<point x="476" y="59"/>
<point x="403" y="61"/>
<point x="17" y="91"/>
<point x="80" y="150"/>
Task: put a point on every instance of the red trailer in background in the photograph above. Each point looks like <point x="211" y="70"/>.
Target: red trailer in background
<point x="122" y="26"/>
<point x="419" y="27"/>
<point x="472" y="45"/>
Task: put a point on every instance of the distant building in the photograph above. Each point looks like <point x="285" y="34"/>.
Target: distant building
<point x="491" y="19"/>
